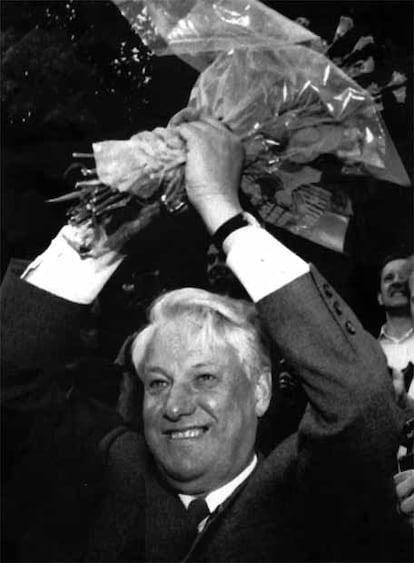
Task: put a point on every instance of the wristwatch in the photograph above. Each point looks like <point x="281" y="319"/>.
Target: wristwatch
<point x="236" y="222"/>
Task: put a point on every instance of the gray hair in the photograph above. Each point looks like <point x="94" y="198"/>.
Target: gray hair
<point x="221" y="320"/>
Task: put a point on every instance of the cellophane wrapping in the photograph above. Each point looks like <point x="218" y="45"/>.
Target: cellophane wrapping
<point x="270" y="81"/>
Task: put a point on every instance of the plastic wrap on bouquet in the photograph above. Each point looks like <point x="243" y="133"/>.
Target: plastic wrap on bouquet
<point x="270" y="81"/>
<point x="133" y="182"/>
<point x="198" y="30"/>
<point x="293" y="107"/>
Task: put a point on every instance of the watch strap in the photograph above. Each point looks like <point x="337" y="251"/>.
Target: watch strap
<point x="236" y="222"/>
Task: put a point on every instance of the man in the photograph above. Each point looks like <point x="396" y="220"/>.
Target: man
<point x="80" y="486"/>
<point x="397" y="334"/>
<point x="404" y="480"/>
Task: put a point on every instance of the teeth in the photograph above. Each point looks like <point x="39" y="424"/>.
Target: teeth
<point x="193" y="433"/>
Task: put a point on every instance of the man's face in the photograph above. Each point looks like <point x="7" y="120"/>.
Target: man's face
<point x="393" y="292"/>
<point x="200" y="409"/>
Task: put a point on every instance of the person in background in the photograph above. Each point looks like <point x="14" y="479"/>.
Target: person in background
<point x="404" y="480"/>
<point x="397" y="334"/>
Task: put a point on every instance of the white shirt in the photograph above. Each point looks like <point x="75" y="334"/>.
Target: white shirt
<point x="399" y="351"/>
<point x="217" y="497"/>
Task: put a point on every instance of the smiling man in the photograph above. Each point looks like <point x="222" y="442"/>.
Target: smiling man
<point x="207" y="381"/>
<point x="82" y="486"/>
<point x="397" y="333"/>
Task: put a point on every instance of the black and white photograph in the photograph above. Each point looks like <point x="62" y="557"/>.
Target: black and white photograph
<point x="207" y="281"/>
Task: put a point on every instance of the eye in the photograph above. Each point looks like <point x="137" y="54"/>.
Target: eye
<point x="206" y="378"/>
<point x="157" y="384"/>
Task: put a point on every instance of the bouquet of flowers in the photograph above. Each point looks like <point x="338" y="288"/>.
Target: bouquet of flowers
<point x="271" y="82"/>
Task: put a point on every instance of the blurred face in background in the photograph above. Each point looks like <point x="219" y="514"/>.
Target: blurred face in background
<point x="394" y="293"/>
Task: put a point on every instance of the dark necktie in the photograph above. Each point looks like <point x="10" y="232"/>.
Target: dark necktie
<point x="197" y="510"/>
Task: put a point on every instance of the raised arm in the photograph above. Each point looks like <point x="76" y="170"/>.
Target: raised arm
<point x="348" y="436"/>
<point x="52" y="467"/>
<point x="41" y="314"/>
<point x="341" y="366"/>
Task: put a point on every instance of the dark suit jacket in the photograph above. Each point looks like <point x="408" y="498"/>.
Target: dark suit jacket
<point x="81" y="486"/>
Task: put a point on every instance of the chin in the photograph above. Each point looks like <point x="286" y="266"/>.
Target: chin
<point x="186" y="480"/>
<point x="196" y="487"/>
<point x="181" y="467"/>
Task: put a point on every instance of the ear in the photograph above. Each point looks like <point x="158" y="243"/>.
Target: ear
<point x="263" y="392"/>
<point x="379" y="297"/>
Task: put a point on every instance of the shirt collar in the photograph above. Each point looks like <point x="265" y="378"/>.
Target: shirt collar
<point x="384" y="335"/>
<point x="217" y="497"/>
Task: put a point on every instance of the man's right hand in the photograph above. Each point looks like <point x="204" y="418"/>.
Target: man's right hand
<point x="213" y="169"/>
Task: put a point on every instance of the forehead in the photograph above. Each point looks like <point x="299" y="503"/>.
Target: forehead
<point x="393" y="267"/>
<point x="186" y="342"/>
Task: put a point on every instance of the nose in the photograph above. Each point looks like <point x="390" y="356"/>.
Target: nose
<point x="399" y="282"/>
<point x="179" y="402"/>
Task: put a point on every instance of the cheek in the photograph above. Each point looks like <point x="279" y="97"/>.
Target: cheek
<point x="231" y="408"/>
<point x="212" y="403"/>
<point x="244" y="402"/>
<point x="151" y="410"/>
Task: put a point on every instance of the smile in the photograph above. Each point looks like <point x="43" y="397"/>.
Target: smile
<point x="187" y="433"/>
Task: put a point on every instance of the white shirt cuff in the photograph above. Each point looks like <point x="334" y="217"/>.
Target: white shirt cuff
<point x="61" y="271"/>
<point x="260" y="262"/>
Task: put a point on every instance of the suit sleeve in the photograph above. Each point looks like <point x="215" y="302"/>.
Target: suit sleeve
<point x="348" y="436"/>
<point x="341" y="367"/>
<point x="349" y="433"/>
<point x="39" y="331"/>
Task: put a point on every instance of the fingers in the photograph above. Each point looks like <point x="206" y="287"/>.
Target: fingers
<point x="405" y="492"/>
<point x="192" y="127"/>
<point x="405" y="487"/>
<point x="407" y="506"/>
<point x="189" y="114"/>
<point x="194" y="131"/>
<point x="184" y="116"/>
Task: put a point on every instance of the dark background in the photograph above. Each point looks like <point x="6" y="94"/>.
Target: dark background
<point x="74" y="73"/>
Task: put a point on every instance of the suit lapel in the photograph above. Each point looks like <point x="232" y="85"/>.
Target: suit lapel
<point x="168" y="534"/>
<point x="216" y="518"/>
